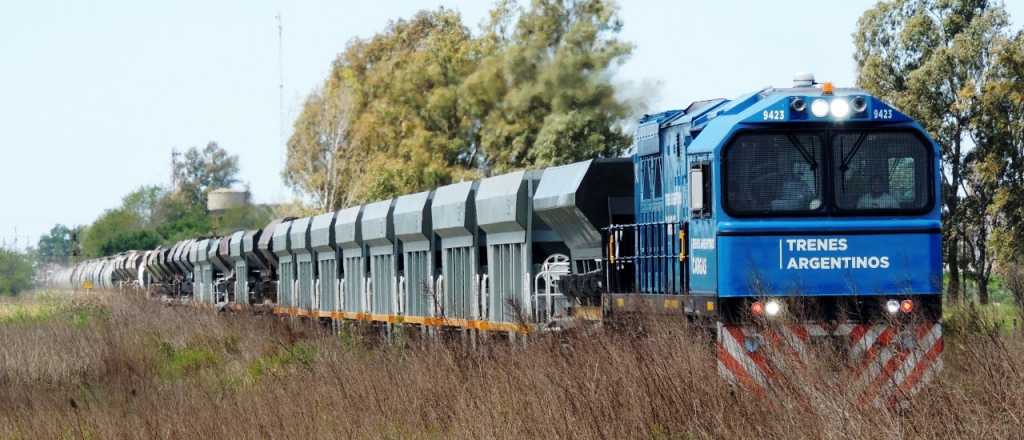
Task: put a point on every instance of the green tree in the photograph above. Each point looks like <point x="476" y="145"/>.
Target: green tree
<point x="408" y="130"/>
<point x="16" y="272"/>
<point x="200" y="170"/>
<point x="545" y="96"/>
<point x="108" y="228"/>
<point x="56" y="246"/>
<point x="425" y="102"/>
<point x="143" y="203"/>
<point x="1002" y="129"/>
<point x="130" y="240"/>
<point x="978" y="224"/>
<point x="931" y="58"/>
<point x="177" y="218"/>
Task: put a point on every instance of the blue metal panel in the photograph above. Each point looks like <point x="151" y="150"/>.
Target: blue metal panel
<point x="831" y="264"/>
<point x="660" y="205"/>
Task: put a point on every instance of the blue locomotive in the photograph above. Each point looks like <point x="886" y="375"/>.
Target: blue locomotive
<point x="810" y="198"/>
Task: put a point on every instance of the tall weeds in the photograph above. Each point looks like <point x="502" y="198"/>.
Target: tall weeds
<point x="137" y="368"/>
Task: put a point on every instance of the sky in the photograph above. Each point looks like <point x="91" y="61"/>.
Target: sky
<point x="94" y="96"/>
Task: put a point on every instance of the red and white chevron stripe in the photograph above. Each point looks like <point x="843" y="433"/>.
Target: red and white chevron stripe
<point x="891" y="363"/>
<point x="887" y="362"/>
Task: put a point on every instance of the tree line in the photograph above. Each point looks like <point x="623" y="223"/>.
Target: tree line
<point x="17" y="271"/>
<point x="153" y="215"/>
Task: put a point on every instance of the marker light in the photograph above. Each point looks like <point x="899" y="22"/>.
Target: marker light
<point x="840" y="108"/>
<point x="819" y="108"/>
<point x="798" y="105"/>
<point x="772" y="308"/>
<point x="892" y="306"/>
<point x="757" y="309"/>
<point x="827" y="88"/>
<point x="907" y="306"/>
<point x="859" y="104"/>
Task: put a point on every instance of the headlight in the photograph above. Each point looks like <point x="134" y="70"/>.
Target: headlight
<point x="772" y="308"/>
<point x="892" y="306"/>
<point x="819" y="108"/>
<point x="840" y="108"/>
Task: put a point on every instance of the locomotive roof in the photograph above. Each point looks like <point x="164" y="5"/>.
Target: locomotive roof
<point x="710" y="122"/>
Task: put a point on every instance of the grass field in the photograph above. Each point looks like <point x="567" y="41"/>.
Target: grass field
<point x="105" y="366"/>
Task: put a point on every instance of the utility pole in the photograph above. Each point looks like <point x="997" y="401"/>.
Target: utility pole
<point x="280" y="87"/>
<point x="174" y="171"/>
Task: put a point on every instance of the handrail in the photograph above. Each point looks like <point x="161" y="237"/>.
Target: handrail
<point x="553" y="268"/>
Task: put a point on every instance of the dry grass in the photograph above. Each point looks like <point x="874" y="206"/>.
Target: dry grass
<point x="106" y="366"/>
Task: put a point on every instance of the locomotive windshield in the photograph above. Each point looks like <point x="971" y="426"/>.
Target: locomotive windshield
<point x="880" y="171"/>
<point x="775" y="173"/>
<point x="784" y="173"/>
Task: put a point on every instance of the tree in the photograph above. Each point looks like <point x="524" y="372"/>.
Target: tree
<point x="177" y="218"/>
<point x="1002" y="126"/>
<point x="1013" y="279"/>
<point x="56" y="246"/>
<point x="143" y="203"/>
<point x="428" y="103"/>
<point x="130" y="240"/>
<point x="545" y="96"/>
<point x="199" y="171"/>
<point x="931" y="58"/>
<point x="978" y="224"/>
<point x="408" y="130"/>
<point x="16" y="272"/>
<point x="108" y="228"/>
<point x="319" y="154"/>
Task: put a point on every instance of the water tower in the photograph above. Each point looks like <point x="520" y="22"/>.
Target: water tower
<point x="223" y="199"/>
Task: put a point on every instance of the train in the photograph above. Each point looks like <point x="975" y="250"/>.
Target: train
<point x="779" y="218"/>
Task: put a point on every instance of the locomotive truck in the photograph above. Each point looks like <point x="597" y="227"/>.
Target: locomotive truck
<point x="776" y="219"/>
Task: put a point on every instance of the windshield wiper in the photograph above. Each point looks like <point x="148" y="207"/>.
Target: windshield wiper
<point x="849" y="157"/>
<point x="803" y="151"/>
